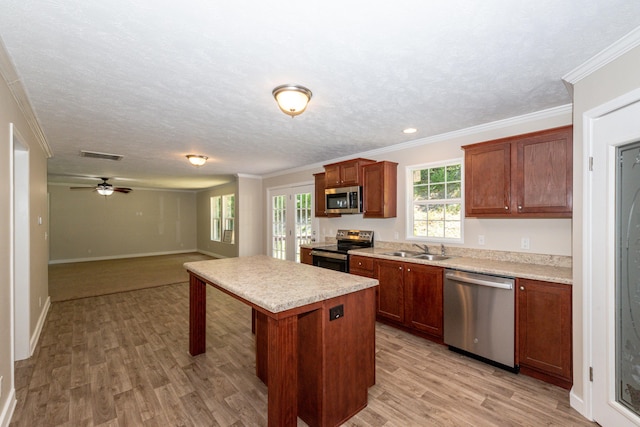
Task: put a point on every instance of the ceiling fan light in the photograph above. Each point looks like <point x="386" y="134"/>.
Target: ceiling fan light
<point x="292" y="99"/>
<point x="197" y="160"/>
<point x="104" y="189"/>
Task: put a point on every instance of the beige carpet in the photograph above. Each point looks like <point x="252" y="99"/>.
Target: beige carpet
<point x="92" y="278"/>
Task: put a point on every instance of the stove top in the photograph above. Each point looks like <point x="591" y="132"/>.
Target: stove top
<point x="349" y="239"/>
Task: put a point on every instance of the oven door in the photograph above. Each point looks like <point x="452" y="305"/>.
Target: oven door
<point x="331" y="260"/>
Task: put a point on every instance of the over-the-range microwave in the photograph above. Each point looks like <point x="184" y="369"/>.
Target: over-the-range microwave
<point x="346" y="200"/>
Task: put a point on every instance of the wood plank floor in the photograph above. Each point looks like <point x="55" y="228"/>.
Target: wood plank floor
<point x="122" y="360"/>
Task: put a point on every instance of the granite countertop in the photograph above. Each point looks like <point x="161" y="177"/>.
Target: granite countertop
<point x="482" y="265"/>
<point x="277" y="285"/>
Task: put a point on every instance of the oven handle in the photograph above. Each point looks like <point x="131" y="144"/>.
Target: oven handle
<point x="332" y="255"/>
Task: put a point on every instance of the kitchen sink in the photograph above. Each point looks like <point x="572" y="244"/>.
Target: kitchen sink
<point x="403" y="254"/>
<point x="431" y="257"/>
<point x="417" y="255"/>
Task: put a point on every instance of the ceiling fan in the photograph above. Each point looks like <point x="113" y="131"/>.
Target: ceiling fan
<point x="104" y="188"/>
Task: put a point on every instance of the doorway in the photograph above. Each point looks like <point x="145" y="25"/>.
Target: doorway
<point x="291" y="221"/>
<point x="612" y="261"/>
<point x="20" y="250"/>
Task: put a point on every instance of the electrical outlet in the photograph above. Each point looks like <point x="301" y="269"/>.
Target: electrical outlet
<point x="481" y="239"/>
<point x="524" y="243"/>
<point x="336" y="312"/>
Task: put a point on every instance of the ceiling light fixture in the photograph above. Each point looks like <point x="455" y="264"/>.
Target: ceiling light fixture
<point x="410" y="130"/>
<point x="292" y="99"/>
<point x="104" y="189"/>
<point x="197" y="160"/>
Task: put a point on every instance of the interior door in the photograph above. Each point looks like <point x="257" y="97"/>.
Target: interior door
<point x="291" y="225"/>
<point x="611" y="264"/>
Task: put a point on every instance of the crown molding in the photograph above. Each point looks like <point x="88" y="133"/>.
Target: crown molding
<point x="10" y="76"/>
<point x="613" y="52"/>
<point x="499" y="124"/>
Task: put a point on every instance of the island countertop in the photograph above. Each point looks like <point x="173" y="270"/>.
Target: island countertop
<point x="277" y="285"/>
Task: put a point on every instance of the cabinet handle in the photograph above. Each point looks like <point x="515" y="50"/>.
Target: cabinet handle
<point x="519" y="207"/>
<point x="399" y="268"/>
<point x="522" y="288"/>
<point x="506" y="208"/>
<point x="359" y="263"/>
<point x="408" y="269"/>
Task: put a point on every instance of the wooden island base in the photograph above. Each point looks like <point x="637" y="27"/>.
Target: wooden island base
<point x="335" y="358"/>
<point x="317" y="364"/>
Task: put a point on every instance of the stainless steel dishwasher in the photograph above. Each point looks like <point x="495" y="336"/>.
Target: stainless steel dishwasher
<point x="479" y="316"/>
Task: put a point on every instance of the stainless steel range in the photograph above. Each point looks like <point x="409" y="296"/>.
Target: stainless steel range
<point x="336" y="257"/>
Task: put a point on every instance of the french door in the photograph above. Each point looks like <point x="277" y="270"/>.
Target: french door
<point x="291" y="219"/>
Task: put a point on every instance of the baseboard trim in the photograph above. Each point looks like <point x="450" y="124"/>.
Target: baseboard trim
<point x="123" y="256"/>
<point x="578" y="404"/>
<point x="33" y="342"/>
<point x="212" y="254"/>
<point x="8" y="408"/>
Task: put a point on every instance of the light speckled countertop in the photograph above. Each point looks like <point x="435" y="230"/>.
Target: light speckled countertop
<point x="277" y="285"/>
<point x="543" y="272"/>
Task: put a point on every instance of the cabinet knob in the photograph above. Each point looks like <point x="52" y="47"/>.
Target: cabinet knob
<point x="399" y="268"/>
<point x="519" y="207"/>
<point x="506" y="208"/>
<point x="408" y="269"/>
<point x="522" y="288"/>
<point x="359" y="263"/>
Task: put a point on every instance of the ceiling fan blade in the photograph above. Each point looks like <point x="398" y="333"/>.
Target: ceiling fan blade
<point x="122" y="190"/>
<point x="82" y="188"/>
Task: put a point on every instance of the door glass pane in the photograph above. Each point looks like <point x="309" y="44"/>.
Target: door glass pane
<point x="279" y="230"/>
<point x="303" y="221"/>
<point x="628" y="277"/>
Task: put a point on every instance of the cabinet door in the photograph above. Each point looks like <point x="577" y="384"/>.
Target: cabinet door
<point x="487" y="169"/>
<point x="350" y="174"/>
<point x="332" y="176"/>
<point x="424" y="298"/>
<point x="305" y="256"/>
<point x="544" y="314"/>
<point x="320" y="201"/>
<point x="379" y="190"/>
<point x="391" y="289"/>
<point x="544" y="178"/>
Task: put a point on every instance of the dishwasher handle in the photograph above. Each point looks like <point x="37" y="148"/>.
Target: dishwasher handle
<point x="452" y="275"/>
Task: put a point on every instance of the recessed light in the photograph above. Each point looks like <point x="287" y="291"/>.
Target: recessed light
<point x="410" y="130"/>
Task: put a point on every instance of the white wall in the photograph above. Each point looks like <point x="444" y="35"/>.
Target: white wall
<point x="87" y="226"/>
<point x="547" y="236"/>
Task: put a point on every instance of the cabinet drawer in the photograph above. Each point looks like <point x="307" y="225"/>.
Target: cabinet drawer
<point x="361" y="263"/>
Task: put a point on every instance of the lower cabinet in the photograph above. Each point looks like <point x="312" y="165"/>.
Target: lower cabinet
<point x="410" y="295"/>
<point x="544" y="331"/>
<point x="305" y="256"/>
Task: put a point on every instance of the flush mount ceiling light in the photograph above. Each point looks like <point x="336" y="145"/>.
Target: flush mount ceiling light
<point x="292" y="99"/>
<point x="197" y="160"/>
<point x="410" y="130"/>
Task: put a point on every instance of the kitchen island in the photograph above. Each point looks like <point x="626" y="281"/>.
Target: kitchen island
<point x="315" y="333"/>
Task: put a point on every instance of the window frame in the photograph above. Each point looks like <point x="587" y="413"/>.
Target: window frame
<point x="219" y="217"/>
<point x="410" y="203"/>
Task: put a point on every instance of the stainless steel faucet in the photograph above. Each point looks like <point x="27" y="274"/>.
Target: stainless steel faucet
<point x="442" y="249"/>
<point x="425" y="248"/>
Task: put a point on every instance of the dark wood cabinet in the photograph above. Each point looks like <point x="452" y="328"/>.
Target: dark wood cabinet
<point x="424" y="298"/>
<point x="390" y="275"/>
<point x="320" y="201"/>
<point x="411" y="295"/>
<point x="345" y="174"/>
<point x="361" y="266"/>
<point x="305" y="256"/>
<point x="527" y="176"/>
<point x="379" y="190"/>
<point x="544" y="331"/>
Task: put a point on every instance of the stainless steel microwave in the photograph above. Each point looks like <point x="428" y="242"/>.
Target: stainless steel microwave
<point x="346" y="200"/>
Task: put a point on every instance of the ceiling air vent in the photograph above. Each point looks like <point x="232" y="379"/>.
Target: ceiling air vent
<point x="97" y="155"/>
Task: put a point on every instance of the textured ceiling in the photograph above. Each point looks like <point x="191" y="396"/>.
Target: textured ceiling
<point x="156" y="80"/>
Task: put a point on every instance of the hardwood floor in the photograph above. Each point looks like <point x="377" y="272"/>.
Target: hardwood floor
<point x="122" y="360"/>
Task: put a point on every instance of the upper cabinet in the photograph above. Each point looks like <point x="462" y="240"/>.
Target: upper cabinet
<point x="345" y="174"/>
<point x="320" y="202"/>
<point x="379" y="190"/>
<point x="525" y="176"/>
